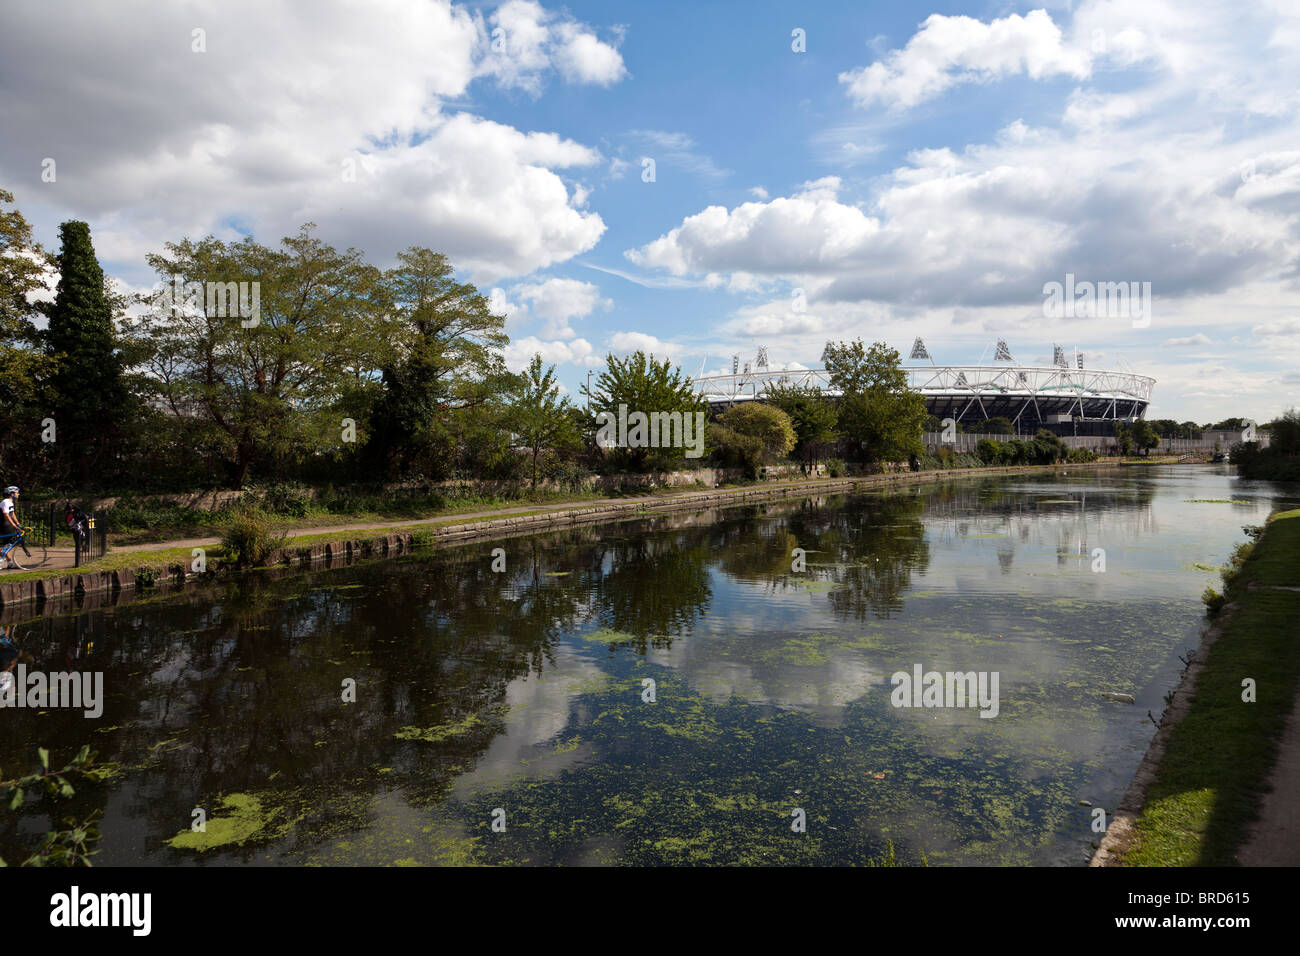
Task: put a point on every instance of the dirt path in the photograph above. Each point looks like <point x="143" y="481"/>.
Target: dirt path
<point x="1275" y="838"/>
<point x="63" y="557"/>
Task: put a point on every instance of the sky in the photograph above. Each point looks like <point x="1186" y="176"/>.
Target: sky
<point x="701" y="180"/>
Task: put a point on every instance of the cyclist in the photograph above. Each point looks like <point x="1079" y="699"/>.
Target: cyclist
<point x="9" y="524"/>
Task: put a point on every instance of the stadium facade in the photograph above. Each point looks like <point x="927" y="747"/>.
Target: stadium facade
<point x="1065" y="397"/>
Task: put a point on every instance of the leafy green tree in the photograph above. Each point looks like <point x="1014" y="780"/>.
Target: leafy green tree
<point x="273" y="386"/>
<point x="1144" y="436"/>
<point x="443" y="384"/>
<point x="878" y="412"/>
<point x="1124" y="438"/>
<point x="813" y="416"/>
<point x="89" y="394"/>
<point x="640" y="384"/>
<point x="1285" y="433"/>
<point x="538" y="415"/>
<point x="26" y="364"/>
<point x="997" y="426"/>
<point x="751" y="434"/>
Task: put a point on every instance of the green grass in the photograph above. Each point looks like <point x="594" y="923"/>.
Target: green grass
<point x="1216" y="766"/>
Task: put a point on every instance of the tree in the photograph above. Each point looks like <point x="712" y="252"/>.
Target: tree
<point x="813" y="415"/>
<point x="442" y="386"/>
<point x="751" y="434"/>
<point x="1124" y="438"/>
<point x="1144" y="436"/>
<point x="639" y="384"/>
<point x="878" y="412"/>
<point x="89" y="394"/>
<point x="1285" y="433"/>
<point x="538" y="415"/>
<point x="271" y="387"/>
<point x="997" y="426"/>
<point x="26" y="364"/>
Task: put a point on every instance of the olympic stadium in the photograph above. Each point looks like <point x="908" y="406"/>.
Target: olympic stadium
<point x="1065" y="397"/>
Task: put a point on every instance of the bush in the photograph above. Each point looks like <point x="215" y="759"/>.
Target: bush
<point x="989" y="451"/>
<point x="766" y="423"/>
<point x="292" y="501"/>
<point x="251" y="537"/>
<point x="836" y="468"/>
<point x="731" y="449"/>
<point x="1214" y="601"/>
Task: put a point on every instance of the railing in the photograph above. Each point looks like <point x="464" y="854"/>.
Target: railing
<point x="49" y="528"/>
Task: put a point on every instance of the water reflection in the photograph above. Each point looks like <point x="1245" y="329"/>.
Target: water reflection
<point x="526" y="689"/>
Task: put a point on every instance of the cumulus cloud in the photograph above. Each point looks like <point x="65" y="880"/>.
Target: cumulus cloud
<point x="558" y="301"/>
<point x="626" y="342"/>
<point x="527" y="41"/>
<point x="992" y="224"/>
<point x="521" y="351"/>
<point x="330" y="112"/>
<point x="947" y="51"/>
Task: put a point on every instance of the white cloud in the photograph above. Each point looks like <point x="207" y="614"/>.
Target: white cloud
<point x="582" y="58"/>
<point x="1200" y="338"/>
<point x="264" y="130"/>
<point x="560" y="300"/>
<point x="526" y="40"/>
<point x="521" y="351"/>
<point x="950" y="50"/>
<point x="992" y="224"/>
<point x="625" y="342"/>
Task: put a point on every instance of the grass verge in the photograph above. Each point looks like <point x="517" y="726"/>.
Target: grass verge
<point x="1216" y="766"/>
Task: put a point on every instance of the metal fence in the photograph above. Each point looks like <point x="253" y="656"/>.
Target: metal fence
<point x="50" y="528"/>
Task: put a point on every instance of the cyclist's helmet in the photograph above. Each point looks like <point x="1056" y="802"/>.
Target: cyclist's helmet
<point x="11" y="490"/>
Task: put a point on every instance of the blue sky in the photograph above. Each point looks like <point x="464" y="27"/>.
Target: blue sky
<point x="914" y="171"/>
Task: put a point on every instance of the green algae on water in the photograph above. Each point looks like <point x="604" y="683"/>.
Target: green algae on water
<point x="245" y="821"/>
<point x="433" y="735"/>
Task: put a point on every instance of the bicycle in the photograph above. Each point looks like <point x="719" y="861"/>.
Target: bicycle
<point x="34" y="555"/>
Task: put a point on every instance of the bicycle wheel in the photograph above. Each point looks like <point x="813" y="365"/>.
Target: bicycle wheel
<point x="33" y="556"/>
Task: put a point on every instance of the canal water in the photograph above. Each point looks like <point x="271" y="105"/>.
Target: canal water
<point x="660" y="691"/>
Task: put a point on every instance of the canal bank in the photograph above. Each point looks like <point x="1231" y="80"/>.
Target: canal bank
<point x="521" y="686"/>
<point x="1219" y="782"/>
<point x="170" y="563"/>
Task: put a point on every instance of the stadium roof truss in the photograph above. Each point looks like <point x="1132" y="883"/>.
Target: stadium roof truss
<point x="974" y="392"/>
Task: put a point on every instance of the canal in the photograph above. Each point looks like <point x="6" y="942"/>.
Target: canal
<point x="685" y="689"/>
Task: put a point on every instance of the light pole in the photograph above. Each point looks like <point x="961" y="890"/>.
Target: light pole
<point x="588" y="391"/>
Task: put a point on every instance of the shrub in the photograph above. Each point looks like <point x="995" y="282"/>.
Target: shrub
<point x="836" y="468"/>
<point x="293" y="501"/>
<point x="989" y="451"/>
<point x="734" y="450"/>
<point x="1214" y="601"/>
<point x="251" y="537"/>
<point x="766" y="423"/>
